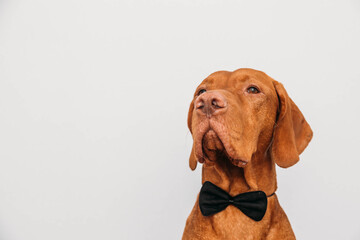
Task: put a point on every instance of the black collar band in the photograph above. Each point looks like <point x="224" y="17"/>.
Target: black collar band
<point x="271" y="195"/>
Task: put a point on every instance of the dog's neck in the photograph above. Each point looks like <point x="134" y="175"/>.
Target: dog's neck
<point x="258" y="174"/>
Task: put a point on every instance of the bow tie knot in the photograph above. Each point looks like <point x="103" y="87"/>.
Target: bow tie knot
<point x="213" y="199"/>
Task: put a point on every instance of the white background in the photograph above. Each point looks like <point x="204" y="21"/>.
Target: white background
<point x="94" y="98"/>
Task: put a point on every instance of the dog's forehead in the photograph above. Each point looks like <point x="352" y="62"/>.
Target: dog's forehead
<point x="219" y="78"/>
<point x="226" y="78"/>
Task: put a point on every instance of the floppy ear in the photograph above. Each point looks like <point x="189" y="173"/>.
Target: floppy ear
<point x="291" y="133"/>
<point x="192" y="158"/>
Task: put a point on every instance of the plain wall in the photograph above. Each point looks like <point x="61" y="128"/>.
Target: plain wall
<point x="94" y="98"/>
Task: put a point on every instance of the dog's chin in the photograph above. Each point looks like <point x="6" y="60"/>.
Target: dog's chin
<point x="214" y="149"/>
<point x="212" y="142"/>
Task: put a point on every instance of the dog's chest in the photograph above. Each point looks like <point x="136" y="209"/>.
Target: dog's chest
<point x="233" y="224"/>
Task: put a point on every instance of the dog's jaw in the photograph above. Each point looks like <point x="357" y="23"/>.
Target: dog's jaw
<point x="211" y="137"/>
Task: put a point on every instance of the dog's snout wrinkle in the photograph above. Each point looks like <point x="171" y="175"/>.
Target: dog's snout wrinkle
<point x="210" y="103"/>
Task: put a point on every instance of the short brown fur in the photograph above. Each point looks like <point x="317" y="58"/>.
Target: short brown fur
<point x="258" y="130"/>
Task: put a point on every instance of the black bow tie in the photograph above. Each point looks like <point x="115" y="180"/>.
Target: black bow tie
<point x="213" y="199"/>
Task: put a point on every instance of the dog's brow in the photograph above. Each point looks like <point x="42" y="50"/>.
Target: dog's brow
<point x="202" y="86"/>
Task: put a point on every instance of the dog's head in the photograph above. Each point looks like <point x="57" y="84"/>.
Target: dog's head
<point x="236" y="114"/>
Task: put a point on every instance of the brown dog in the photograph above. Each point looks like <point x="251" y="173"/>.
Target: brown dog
<point x="242" y="123"/>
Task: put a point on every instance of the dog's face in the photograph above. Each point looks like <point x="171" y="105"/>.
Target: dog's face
<point x="234" y="114"/>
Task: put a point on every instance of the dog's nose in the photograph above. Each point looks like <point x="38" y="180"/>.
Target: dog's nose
<point x="210" y="103"/>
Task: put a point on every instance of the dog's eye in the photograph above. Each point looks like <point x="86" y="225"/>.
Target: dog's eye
<point x="201" y="91"/>
<point x="253" y="90"/>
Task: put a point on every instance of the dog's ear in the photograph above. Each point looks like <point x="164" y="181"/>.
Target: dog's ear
<point x="192" y="158"/>
<point x="291" y="132"/>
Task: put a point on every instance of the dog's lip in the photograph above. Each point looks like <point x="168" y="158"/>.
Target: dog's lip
<point x="236" y="161"/>
<point x="203" y="127"/>
<point x="227" y="147"/>
<point x="239" y="162"/>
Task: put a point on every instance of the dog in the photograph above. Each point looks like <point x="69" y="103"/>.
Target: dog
<point x="243" y="123"/>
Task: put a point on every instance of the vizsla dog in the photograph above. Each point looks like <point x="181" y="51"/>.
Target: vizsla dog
<point x="242" y="123"/>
